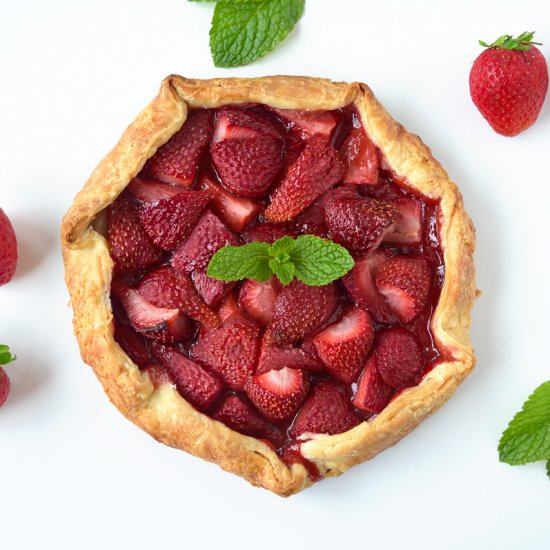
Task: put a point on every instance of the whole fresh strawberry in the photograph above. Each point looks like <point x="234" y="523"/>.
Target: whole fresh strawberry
<point x="8" y="249"/>
<point x="5" y="358"/>
<point x="508" y="83"/>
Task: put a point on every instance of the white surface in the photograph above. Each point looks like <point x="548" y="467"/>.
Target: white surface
<point x="75" y="473"/>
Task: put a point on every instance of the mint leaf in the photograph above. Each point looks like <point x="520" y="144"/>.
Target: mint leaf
<point x="283" y="269"/>
<point x="319" y="261"/>
<point x="548" y="468"/>
<point x="282" y="246"/>
<point x="242" y="32"/>
<point x="5" y="355"/>
<point x="527" y="438"/>
<point x="233" y="263"/>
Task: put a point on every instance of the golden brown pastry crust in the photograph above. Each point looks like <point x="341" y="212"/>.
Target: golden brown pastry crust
<point x="162" y="412"/>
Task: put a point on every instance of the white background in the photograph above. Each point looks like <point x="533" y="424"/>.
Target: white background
<point x="75" y="474"/>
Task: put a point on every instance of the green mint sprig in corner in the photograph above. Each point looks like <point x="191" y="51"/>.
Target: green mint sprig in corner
<point x="312" y="260"/>
<point x="527" y="438"/>
<point x="244" y="30"/>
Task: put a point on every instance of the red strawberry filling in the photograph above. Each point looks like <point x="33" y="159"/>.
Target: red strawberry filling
<point x="279" y="363"/>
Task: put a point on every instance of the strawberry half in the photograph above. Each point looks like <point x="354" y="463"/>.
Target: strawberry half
<point x="309" y="123"/>
<point x="278" y="393"/>
<point x="360" y="157"/>
<point x="151" y="191"/>
<point x="8" y="249"/>
<point x="164" y="288"/>
<point x="280" y="357"/>
<point x="178" y="160"/>
<point x="405" y="282"/>
<point x="327" y="410"/>
<point x="361" y="286"/>
<point x="398" y="357"/>
<point x="407" y="229"/>
<point x="228" y="307"/>
<point x="132" y="343"/>
<point x="237" y="212"/>
<point x="158" y="375"/>
<point x="266" y="232"/>
<point x="211" y="290"/>
<point x="131" y="247"/>
<point x="344" y="346"/>
<point x="317" y="169"/>
<point x="300" y="310"/>
<point x="169" y="221"/>
<point x="359" y="224"/>
<point x="372" y="394"/>
<point x="192" y="381"/>
<point x="167" y="325"/>
<point x="247" y="151"/>
<point x="231" y="350"/>
<point x="258" y="299"/>
<point x="207" y="237"/>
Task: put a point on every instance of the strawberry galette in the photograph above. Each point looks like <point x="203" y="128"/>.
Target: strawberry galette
<point x="315" y="361"/>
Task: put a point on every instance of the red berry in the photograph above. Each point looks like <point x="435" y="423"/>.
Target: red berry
<point x="372" y="394"/>
<point x="258" y="299"/>
<point x="280" y="357"/>
<point x="508" y="84"/>
<point x="309" y="123"/>
<point x="8" y="249"/>
<point x="407" y="229"/>
<point x="4" y="386"/>
<point x="360" y="157"/>
<point x="278" y="393"/>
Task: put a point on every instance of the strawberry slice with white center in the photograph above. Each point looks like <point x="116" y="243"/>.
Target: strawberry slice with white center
<point x="178" y="160"/>
<point x="344" y="345"/>
<point x="372" y="394"/>
<point x="407" y="229"/>
<point x="317" y="169"/>
<point x="398" y="356"/>
<point x="237" y="212"/>
<point x="228" y="307"/>
<point x="361" y="286"/>
<point x="309" y="123"/>
<point x="280" y="357"/>
<point x="406" y="283"/>
<point x="258" y="299"/>
<point x="278" y="393"/>
<point x="193" y="382"/>
<point x="357" y="223"/>
<point x="360" y="156"/>
<point x="150" y="191"/>
<point x="242" y="123"/>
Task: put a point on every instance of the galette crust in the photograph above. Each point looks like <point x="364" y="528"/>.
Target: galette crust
<point x="162" y="412"/>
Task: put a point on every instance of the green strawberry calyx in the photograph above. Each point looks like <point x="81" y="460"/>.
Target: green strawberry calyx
<point x="507" y="42"/>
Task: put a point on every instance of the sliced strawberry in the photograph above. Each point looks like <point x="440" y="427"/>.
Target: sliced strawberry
<point x="408" y="227"/>
<point x="178" y="160"/>
<point x="360" y="284"/>
<point x="192" y="381"/>
<point x="359" y="224"/>
<point x="327" y="410"/>
<point x="258" y="299"/>
<point x="207" y="237"/>
<point x="372" y="394"/>
<point x="239" y="123"/>
<point x="267" y="232"/>
<point x="158" y="374"/>
<point x="398" y="356"/>
<point x="344" y="346"/>
<point x="148" y="191"/>
<point x="131" y="247"/>
<point x="309" y="123"/>
<point x="211" y="290"/>
<point x="132" y="343"/>
<point x="169" y="221"/>
<point x="405" y="282"/>
<point x="228" y="307"/>
<point x="278" y="393"/>
<point x="193" y="304"/>
<point x="280" y="357"/>
<point x="316" y="170"/>
<point x="300" y="310"/>
<point x="360" y="156"/>
<point x="231" y="350"/>
<point x="167" y="325"/>
<point x="237" y="212"/>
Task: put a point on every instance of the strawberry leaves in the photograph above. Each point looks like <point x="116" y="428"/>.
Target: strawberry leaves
<point x="312" y="260"/>
<point x="507" y="42"/>
<point x="245" y="30"/>
<point x="527" y="438"/>
<point x="5" y="355"/>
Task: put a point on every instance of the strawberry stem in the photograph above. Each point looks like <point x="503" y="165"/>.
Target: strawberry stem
<point x="507" y="42"/>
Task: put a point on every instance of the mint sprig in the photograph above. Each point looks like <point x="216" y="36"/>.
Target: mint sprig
<point x="244" y="30"/>
<point x="313" y="260"/>
<point x="5" y="355"/>
<point x="527" y="438"/>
